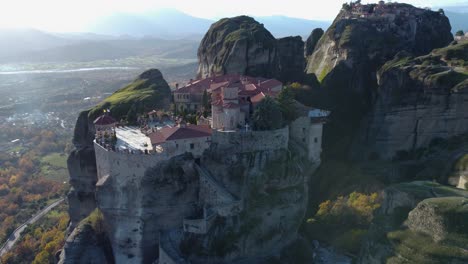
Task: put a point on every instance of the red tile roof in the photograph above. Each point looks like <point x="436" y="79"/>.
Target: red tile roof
<point x="182" y="132"/>
<point x="230" y="105"/>
<point x="257" y="98"/>
<point x="104" y="120"/>
<point x="270" y="84"/>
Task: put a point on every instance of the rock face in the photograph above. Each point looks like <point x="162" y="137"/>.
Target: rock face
<point x="421" y="206"/>
<point x="243" y="199"/>
<point x="362" y="45"/>
<point x="291" y="59"/>
<point x="145" y="93"/>
<point x="136" y="207"/>
<point x="438" y="217"/>
<point x="241" y="45"/>
<point x="82" y="162"/>
<point x="84" y="245"/>
<point x="312" y="41"/>
<point x="274" y="194"/>
<point x="82" y="169"/>
<point x="418" y="100"/>
<point x="237" y="45"/>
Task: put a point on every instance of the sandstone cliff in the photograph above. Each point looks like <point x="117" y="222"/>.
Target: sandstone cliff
<point x="241" y="45"/>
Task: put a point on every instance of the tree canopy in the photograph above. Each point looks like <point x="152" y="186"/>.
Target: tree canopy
<point x="460" y="33"/>
<point x="267" y="115"/>
<point x="287" y="104"/>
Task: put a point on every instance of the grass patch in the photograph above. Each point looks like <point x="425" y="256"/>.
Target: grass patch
<point x="143" y="94"/>
<point x="54" y="167"/>
<point x="420" y="248"/>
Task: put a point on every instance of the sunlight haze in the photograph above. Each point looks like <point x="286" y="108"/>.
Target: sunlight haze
<point x="76" y="16"/>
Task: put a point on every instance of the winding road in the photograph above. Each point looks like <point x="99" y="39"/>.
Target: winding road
<point x="16" y="235"/>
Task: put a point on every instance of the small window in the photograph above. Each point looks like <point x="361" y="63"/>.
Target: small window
<point x="192" y="146"/>
<point x="303" y="130"/>
<point x="315" y="140"/>
<point x="303" y="140"/>
<point x="176" y="145"/>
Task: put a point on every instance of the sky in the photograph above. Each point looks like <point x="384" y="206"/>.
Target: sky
<point x="76" y="15"/>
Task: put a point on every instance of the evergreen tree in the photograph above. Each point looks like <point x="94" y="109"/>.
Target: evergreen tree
<point x="267" y="115"/>
<point x="287" y="104"/>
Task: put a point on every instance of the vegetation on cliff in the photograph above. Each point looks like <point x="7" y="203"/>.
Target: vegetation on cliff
<point x="40" y="241"/>
<point x="147" y="92"/>
<point x="267" y="115"/>
<point x="395" y="234"/>
<point x="344" y="221"/>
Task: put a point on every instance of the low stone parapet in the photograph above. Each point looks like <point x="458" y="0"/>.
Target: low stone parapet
<point x="252" y="141"/>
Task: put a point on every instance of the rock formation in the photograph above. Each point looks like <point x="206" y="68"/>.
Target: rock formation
<point x="408" y="209"/>
<point x="241" y="45"/>
<point x="82" y="169"/>
<point x="362" y="45"/>
<point x="312" y="41"/>
<point x="82" y="162"/>
<point x="291" y="59"/>
<point x="148" y="91"/>
<point x="418" y="100"/>
<point x="87" y="244"/>
<point x="244" y="199"/>
<point x="439" y="217"/>
<point x="237" y="45"/>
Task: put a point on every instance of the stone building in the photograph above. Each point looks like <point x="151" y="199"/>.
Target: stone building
<point x="232" y="103"/>
<point x="190" y="96"/>
<point x="179" y="139"/>
<point x="105" y="128"/>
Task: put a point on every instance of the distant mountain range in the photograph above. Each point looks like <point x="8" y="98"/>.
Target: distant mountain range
<point x="171" y="23"/>
<point x="165" y="33"/>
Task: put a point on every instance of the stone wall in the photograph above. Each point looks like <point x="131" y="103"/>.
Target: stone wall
<point x="252" y="141"/>
<point x="308" y="134"/>
<point x="124" y="165"/>
<point x="140" y="195"/>
<point x="212" y="193"/>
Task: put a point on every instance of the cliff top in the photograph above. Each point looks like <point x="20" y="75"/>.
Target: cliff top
<point x="148" y="91"/>
<point x="443" y="69"/>
<point x="236" y="28"/>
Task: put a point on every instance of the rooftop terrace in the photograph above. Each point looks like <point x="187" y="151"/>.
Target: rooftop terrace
<point x="131" y="138"/>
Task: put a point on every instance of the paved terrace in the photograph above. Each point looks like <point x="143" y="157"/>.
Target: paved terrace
<point x="132" y="138"/>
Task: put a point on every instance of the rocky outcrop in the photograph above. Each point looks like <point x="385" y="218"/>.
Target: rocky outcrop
<point x="241" y="45"/>
<point x="419" y="100"/>
<point x="438" y="217"/>
<point x="82" y="169"/>
<point x="147" y="92"/>
<point x="85" y="245"/>
<point x="137" y="207"/>
<point x="362" y="45"/>
<point x="291" y="59"/>
<point x="82" y="162"/>
<point x="273" y="194"/>
<point x="398" y="207"/>
<point x="238" y="45"/>
<point x="312" y="41"/>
